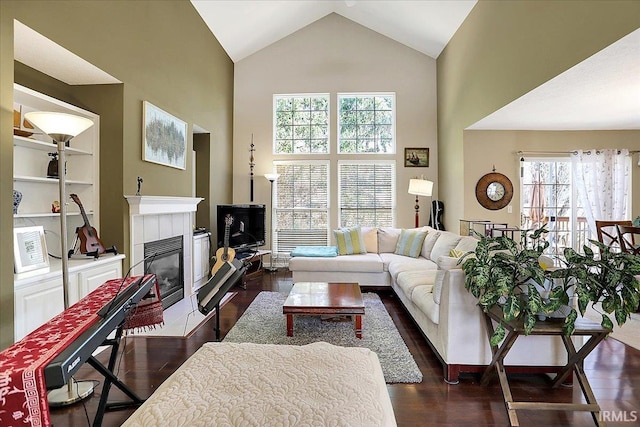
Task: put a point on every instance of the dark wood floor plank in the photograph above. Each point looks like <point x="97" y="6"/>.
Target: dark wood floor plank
<point x="613" y="370"/>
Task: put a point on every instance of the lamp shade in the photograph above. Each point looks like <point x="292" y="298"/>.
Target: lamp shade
<point x="420" y="187"/>
<point x="53" y="123"/>
<point x="271" y="176"/>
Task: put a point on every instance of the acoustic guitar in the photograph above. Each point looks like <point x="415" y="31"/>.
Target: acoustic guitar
<point x="89" y="240"/>
<point x="224" y="254"/>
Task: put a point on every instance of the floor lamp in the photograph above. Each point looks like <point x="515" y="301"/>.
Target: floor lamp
<point x="62" y="127"/>
<point x="271" y="177"/>
<point x="420" y="187"/>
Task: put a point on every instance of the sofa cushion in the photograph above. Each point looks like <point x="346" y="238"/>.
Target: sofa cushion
<point x="409" y="280"/>
<point x="362" y="263"/>
<point x="444" y="244"/>
<point x="467" y="244"/>
<point x="410" y="243"/>
<point x="370" y="237"/>
<point x="429" y="242"/>
<point x="395" y="264"/>
<point x="423" y="299"/>
<point x="388" y="239"/>
<point x="350" y="241"/>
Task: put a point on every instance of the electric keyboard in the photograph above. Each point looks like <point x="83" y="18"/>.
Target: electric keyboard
<point x="66" y="364"/>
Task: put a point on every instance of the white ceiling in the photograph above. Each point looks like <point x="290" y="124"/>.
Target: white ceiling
<point x="38" y="52"/>
<point x="245" y="27"/>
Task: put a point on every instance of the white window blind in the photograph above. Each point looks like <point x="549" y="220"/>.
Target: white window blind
<point x="366" y="193"/>
<point x="301" y="205"/>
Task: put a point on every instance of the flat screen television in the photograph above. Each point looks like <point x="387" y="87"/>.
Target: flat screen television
<point x="247" y="230"/>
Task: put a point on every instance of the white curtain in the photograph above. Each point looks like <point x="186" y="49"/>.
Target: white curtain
<point x="602" y="179"/>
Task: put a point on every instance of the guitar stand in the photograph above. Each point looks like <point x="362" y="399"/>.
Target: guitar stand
<point x="109" y="379"/>
<point x="95" y="254"/>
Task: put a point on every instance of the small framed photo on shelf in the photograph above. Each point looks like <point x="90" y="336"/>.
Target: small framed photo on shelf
<point x="416" y="157"/>
<point x="164" y="137"/>
<point x="29" y="249"/>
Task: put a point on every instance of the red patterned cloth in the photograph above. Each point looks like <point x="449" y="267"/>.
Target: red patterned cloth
<point x="23" y="392"/>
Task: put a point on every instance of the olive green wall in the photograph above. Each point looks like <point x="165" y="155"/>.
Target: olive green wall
<point x="503" y="50"/>
<point x="163" y="53"/>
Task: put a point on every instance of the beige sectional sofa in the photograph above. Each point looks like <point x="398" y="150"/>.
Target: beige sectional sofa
<point x="431" y="288"/>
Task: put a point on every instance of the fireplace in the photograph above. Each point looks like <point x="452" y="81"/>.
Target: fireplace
<point x="168" y="266"/>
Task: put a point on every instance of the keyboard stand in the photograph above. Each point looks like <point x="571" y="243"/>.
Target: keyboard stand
<point x="109" y="379"/>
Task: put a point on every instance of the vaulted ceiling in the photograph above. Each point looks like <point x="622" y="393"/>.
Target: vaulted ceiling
<point x="245" y="27"/>
<point x="602" y="92"/>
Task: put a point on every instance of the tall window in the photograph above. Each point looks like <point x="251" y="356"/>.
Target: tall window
<point x="301" y="205"/>
<point x="548" y="199"/>
<point x="366" y="123"/>
<point x="366" y="193"/>
<point x="301" y="124"/>
<point x="551" y="197"/>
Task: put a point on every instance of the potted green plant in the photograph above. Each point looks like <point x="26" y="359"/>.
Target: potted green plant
<point x="508" y="274"/>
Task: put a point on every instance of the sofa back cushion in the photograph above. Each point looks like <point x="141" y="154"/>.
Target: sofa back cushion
<point x="467" y="244"/>
<point x="444" y="244"/>
<point x="410" y="242"/>
<point x="349" y="241"/>
<point x="370" y="237"/>
<point x="429" y="242"/>
<point x="388" y="239"/>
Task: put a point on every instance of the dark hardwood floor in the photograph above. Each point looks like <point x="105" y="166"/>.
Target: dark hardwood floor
<point x="613" y="370"/>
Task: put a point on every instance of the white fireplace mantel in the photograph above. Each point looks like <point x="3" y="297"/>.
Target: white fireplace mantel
<point x="154" y="205"/>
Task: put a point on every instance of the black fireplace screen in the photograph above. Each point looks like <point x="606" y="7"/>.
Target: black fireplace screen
<point x="168" y="266"/>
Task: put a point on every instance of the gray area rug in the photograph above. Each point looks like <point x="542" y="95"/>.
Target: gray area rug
<point x="264" y="323"/>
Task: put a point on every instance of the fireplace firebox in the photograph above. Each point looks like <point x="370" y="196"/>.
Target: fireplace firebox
<point x="168" y="266"/>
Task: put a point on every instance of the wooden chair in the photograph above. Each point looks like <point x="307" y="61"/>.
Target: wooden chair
<point x="608" y="233"/>
<point x="629" y="238"/>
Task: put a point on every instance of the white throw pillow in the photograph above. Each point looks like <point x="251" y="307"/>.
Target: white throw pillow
<point x="370" y="237"/>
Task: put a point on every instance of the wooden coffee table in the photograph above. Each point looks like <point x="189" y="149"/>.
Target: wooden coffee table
<point x="319" y="298"/>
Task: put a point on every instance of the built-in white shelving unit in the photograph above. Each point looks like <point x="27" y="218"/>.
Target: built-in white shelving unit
<point x="38" y="293"/>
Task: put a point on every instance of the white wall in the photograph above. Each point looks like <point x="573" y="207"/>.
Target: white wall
<point x="335" y="55"/>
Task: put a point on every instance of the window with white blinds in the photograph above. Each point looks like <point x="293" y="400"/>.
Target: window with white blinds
<point x="366" y="193"/>
<point x="301" y="205"/>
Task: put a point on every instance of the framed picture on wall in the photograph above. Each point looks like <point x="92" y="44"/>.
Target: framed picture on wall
<point x="416" y="157"/>
<point x="164" y="138"/>
<point x="29" y="249"/>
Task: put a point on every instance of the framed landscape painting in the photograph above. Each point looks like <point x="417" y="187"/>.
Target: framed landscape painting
<point x="416" y="157"/>
<point x="164" y="137"/>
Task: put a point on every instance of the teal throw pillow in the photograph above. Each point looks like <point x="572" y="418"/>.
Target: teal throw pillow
<point x="350" y="241"/>
<point x="410" y="243"/>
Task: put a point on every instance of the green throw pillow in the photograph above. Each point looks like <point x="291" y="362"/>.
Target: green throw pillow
<point x="350" y="241"/>
<point x="410" y="243"/>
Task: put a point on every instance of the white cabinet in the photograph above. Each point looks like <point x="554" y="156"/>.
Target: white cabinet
<point x="38" y="295"/>
<point x="201" y="249"/>
<point x="36" y="304"/>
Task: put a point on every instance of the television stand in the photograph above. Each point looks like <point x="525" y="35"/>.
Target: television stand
<point x="255" y="270"/>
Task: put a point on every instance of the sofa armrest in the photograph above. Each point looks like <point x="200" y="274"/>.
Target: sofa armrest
<point x="461" y="327"/>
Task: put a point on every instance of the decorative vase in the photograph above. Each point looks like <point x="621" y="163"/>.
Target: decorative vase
<point x="17" y="198"/>
<point x="52" y="169"/>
